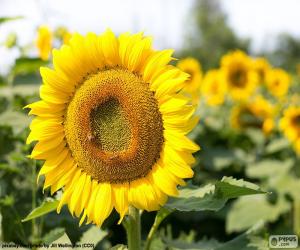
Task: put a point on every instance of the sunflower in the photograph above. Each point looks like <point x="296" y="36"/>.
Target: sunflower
<point x="239" y="74"/>
<point x="63" y="34"/>
<point x="261" y="66"/>
<point x="193" y="68"/>
<point x="44" y="42"/>
<point x="112" y="125"/>
<point x="257" y="113"/>
<point x="213" y="88"/>
<point x="290" y="125"/>
<point x="278" y="82"/>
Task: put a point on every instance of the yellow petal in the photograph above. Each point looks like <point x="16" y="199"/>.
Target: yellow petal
<point x="121" y="199"/>
<point x="103" y="204"/>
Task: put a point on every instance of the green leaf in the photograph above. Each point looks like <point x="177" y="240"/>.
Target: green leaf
<point x="20" y="89"/>
<point x="26" y="65"/>
<point x="247" y="211"/>
<point x="204" y="244"/>
<point x="267" y="168"/>
<point x="16" y="120"/>
<point x="229" y="188"/>
<point x="45" y="208"/>
<point x="277" y="145"/>
<point x="247" y="241"/>
<point x="192" y="198"/>
<point x="7" y="19"/>
<point x="62" y="243"/>
<point x="211" y="197"/>
<point x="256" y="135"/>
<point x="119" y="247"/>
<point x="53" y="235"/>
<point x="92" y="236"/>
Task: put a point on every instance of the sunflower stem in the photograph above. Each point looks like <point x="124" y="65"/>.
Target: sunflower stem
<point x="160" y="216"/>
<point x="33" y="201"/>
<point x="297" y="217"/>
<point x="133" y="229"/>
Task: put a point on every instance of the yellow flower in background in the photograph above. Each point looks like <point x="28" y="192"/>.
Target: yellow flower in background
<point x="239" y="75"/>
<point x="44" y="42"/>
<point x="63" y="34"/>
<point x="214" y="88"/>
<point x="112" y="125"/>
<point x="257" y="113"/>
<point x="261" y="66"/>
<point x="290" y="125"/>
<point x="193" y="68"/>
<point x="278" y="82"/>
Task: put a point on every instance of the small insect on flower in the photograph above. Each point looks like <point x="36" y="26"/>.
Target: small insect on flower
<point x="112" y="125"/>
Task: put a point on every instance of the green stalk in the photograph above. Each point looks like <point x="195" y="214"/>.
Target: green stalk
<point x="133" y="228"/>
<point x="33" y="201"/>
<point x="297" y="216"/>
<point x="160" y="216"/>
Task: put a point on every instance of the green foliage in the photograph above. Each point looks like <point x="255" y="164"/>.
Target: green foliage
<point x="211" y="197"/>
<point x="45" y="208"/>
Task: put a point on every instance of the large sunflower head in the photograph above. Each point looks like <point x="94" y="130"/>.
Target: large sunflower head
<point x="261" y="66"/>
<point x="278" y="82"/>
<point x="112" y="125"/>
<point x="290" y="125"/>
<point x="239" y="74"/>
<point x="213" y="88"/>
<point x="44" y="42"/>
<point x="257" y="113"/>
<point x="192" y="66"/>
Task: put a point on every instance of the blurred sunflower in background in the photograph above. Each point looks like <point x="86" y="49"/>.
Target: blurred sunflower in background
<point x="214" y="88"/>
<point x="112" y="125"/>
<point x="63" y="34"/>
<point x="239" y="75"/>
<point x="257" y="113"/>
<point x="278" y="82"/>
<point x="193" y="68"/>
<point x="44" y="42"/>
<point x="290" y="126"/>
<point x="261" y="66"/>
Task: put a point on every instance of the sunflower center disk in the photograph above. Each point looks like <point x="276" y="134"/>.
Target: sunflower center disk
<point x="113" y="126"/>
<point x="238" y="78"/>
<point x="110" y="126"/>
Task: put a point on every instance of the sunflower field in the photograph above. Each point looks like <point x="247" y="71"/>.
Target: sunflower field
<point x="108" y="143"/>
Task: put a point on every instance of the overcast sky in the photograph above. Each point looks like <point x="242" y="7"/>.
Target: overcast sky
<point x="166" y="20"/>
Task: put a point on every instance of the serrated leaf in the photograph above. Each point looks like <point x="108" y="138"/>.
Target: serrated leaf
<point x="229" y="188"/>
<point x="92" y="236"/>
<point x="247" y="211"/>
<point x="45" y="208"/>
<point x="267" y="168"/>
<point x="211" y="197"/>
<point x="192" y="198"/>
<point x="53" y="235"/>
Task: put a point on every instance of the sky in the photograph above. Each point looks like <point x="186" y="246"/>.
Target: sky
<point x="165" y="20"/>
